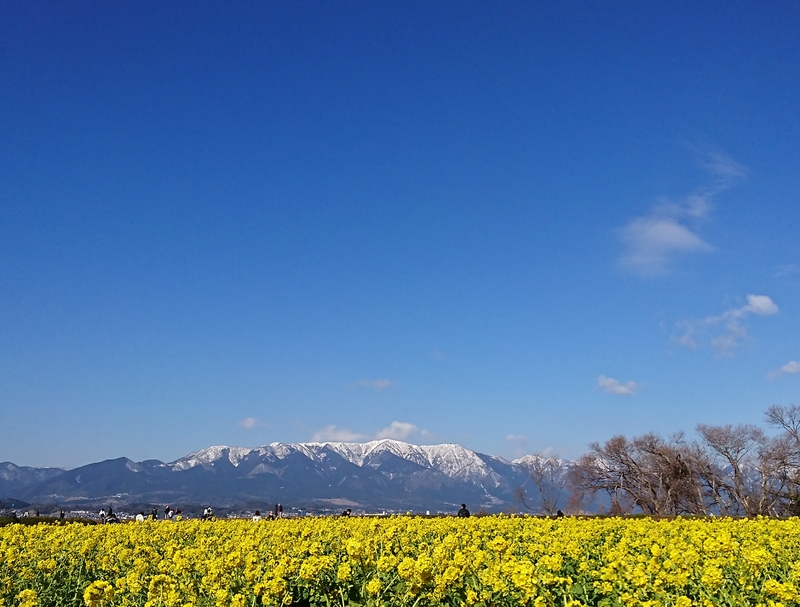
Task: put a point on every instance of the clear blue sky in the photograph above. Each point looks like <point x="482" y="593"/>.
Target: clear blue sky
<point x="521" y="227"/>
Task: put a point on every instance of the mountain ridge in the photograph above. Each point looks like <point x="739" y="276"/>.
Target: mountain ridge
<point x="381" y="474"/>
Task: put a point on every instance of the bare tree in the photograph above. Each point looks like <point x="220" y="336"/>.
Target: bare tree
<point x="648" y="473"/>
<point x="549" y="477"/>
<point x="730" y="470"/>
<point x="748" y="467"/>
<point x="786" y="454"/>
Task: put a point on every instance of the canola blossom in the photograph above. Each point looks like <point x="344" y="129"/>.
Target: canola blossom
<point x="404" y="561"/>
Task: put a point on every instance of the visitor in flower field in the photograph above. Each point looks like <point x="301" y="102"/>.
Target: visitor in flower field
<point x="257" y="517"/>
<point x="346" y="512"/>
<point x="140" y="517"/>
<point x="463" y="513"/>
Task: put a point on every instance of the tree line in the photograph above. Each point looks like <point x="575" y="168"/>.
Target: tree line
<point x="730" y="470"/>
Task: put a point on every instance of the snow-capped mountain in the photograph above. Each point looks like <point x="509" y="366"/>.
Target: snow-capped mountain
<point x="451" y="460"/>
<point x="382" y="474"/>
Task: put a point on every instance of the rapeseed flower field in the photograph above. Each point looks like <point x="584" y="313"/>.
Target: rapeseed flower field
<point x="404" y="561"/>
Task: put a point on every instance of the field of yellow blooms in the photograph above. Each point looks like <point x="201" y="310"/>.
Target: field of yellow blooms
<point x="403" y="561"/>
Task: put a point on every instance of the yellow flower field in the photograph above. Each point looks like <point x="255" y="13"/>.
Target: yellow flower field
<point x="404" y="561"/>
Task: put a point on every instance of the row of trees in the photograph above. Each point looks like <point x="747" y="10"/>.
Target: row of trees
<point x="731" y="470"/>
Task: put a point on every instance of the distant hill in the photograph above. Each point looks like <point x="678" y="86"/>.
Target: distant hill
<point x="378" y="475"/>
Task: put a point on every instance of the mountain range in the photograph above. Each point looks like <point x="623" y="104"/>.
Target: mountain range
<point x="378" y="475"/>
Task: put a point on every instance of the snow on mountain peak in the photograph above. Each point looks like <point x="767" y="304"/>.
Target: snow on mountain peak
<point x="209" y="455"/>
<point x="450" y="459"/>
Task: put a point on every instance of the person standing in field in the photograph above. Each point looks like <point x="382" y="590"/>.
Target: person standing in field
<point x="463" y="513"/>
<point x="257" y="517"/>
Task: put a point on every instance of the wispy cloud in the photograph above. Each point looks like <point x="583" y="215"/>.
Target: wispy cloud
<point x="789" y="270"/>
<point x="438" y="355"/>
<point x="519" y="444"/>
<point x="653" y="242"/>
<point x="609" y="385"/>
<point x="790" y="368"/>
<point x="251" y="422"/>
<point x="334" y="434"/>
<point x="788" y="273"/>
<point x="722" y="166"/>
<point x="376" y="384"/>
<point x="397" y="431"/>
<point x="727" y="330"/>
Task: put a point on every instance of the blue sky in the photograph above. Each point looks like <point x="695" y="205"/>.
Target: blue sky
<point x="521" y="228"/>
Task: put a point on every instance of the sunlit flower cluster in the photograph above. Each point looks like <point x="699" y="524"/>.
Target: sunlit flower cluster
<point x="404" y="561"/>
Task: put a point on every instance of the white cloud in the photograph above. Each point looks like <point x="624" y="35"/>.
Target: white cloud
<point x="250" y="422"/>
<point x="438" y="355"/>
<point x="725" y="331"/>
<point x="654" y="241"/>
<point x="759" y="304"/>
<point x="790" y="368"/>
<point x="515" y="438"/>
<point x="377" y="384"/>
<point x="609" y="385"/>
<point x="331" y="433"/>
<point x="397" y="431"/>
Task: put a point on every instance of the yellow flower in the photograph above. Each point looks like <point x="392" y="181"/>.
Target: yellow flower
<point x="712" y="576"/>
<point x="354" y="548"/>
<point x="98" y="594"/>
<point x="28" y="598"/>
<point x="374" y="586"/>
<point x="344" y="572"/>
<point x="785" y="591"/>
